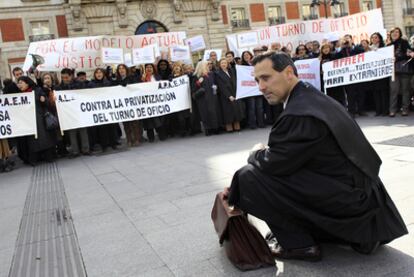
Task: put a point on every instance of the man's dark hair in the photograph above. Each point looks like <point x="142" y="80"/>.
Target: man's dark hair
<point x="16" y="69"/>
<point x="279" y="61"/>
<point x="229" y="52"/>
<point x="28" y="81"/>
<point x="67" y="71"/>
<point x="81" y="73"/>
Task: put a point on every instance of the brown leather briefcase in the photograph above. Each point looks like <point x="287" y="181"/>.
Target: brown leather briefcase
<point x="244" y="245"/>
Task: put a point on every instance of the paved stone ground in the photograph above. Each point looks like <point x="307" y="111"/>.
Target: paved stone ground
<point x="146" y="211"/>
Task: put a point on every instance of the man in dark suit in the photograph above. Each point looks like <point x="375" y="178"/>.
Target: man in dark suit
<point x="317" y="179"/>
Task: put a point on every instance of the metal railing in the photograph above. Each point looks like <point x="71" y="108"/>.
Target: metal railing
<point x="336" y="15"/>
<point x="408" y="11"/>
<point x="241" y="23"/>
<point x="33" y="38"/>
<point x="310" y="17"/>
<point x="277" y="20"/>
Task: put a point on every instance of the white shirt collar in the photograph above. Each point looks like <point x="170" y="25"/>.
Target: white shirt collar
<point x="286" y="102"/>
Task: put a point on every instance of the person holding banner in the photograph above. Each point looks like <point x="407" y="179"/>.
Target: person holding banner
<point x="132" y="128"/>
<point x="170" y="121"/>
<point x="152" y="123"/>
<point x="232" y="109"/>
<point x="403" y="73"/>
<point x="183" y="117"/>
<point x="255" y="112"/>
<point x="31" y="150"/>
<point x="204" y="92"/>
<point x="317" y="179"/>
<point x="380" y="88"/>
<point x="328" y="55"/>
<point x="106" y="135"/>
<point x="69" y="83"/>
<point x="48" y="85"/>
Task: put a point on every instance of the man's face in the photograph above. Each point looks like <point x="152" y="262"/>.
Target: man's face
<point x="229" y="58"/>
<point x="82" y="78"/>
<point x="17" y="74"/>
<point x="66" y="78"/>
<point x="274" y="85"/>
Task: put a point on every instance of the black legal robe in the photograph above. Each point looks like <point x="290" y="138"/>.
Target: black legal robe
<point x="319" y="176"/>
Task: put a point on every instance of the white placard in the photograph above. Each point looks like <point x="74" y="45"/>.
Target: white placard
<point x="128" y="59"/>
<point x="143" y="55"/>
<point x="196" y="43"/>
<point x="180" y="53"/>
<point x="309" y="71"/>
<point x="112" y="55"/>
<point x="247" y="39"/>
<point x="207" y="54"/>
<point x="98" y="106"/>
<point x="364" y="67"/>
<point x="246" y="84"/>
<point x="17" y="115"/>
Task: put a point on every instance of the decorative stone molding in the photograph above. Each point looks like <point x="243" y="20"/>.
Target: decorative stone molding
<point x="215" y="16"/>
<point x="148" y="9"/>
<point x="98" y="11"/>
<point x="195" y="5"/>
<point x="75" y="7"/>
<point x="178" y="11"/>
<point x="122" y="13"/>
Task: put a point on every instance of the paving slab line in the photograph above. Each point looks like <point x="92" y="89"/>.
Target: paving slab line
<point x="47" y="244"/>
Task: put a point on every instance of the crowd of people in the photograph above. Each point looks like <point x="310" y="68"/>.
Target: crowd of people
<point x="215" y="108"/>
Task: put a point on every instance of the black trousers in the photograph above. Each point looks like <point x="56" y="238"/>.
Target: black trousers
<point x="356" y="98"/>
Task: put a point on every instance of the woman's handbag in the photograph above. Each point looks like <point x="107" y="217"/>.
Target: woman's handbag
<point x="51" y="121"/>
<point x="244" y="245"/>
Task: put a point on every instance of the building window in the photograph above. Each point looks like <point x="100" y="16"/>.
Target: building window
<point x="275" y="15"/>
<point x="339" y="10"/>
<point x="409" y="31"/>
<point x="40" y="27"/>
<point x="309" y="12"/>
<point x="238" y="18"/>
<point x="367" y="5"/>
<point x="408" y="7"/>
<point x="150" y="27"/>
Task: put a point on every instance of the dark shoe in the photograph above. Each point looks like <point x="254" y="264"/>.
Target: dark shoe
<point x="87" y="153"/>
<point x="366" y="248"/>
<point x="73" y="155"/>
<point x="310" y="254"/>
<point x="362" y="114"/>
<point x="392" y="114"/>
<point x="404" y="113"/>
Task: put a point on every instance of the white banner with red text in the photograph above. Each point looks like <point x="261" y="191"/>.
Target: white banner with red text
<point x="365" y="67"/>
<point x="98" y="106"/>
<point x="17" y="115"/>
<point x="308" y="71"/>
<point x="85" y="53"/>
<point x="360" y="26"/>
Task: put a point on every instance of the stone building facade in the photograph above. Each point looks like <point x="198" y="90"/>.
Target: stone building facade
<point x="23" y="21"/>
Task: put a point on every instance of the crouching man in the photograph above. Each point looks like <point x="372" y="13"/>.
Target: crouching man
<point x="317" y="179"/>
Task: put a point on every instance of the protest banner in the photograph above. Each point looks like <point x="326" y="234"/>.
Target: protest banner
<point x="17" y="115"/>
<point x="84" y="53"/>
<point x="207" y="54"/>
<point x="143" y="55"/>
<point x="128" y="59"/>
<point x="180" y="53"/>
<point x="364" y="67"/>
<point x="360" y="26"/>
<point x="98" y="106"/>
<point x="309" y="71"/>
<point x="112" y="55"/>
<point x="246" y="84"/>
<point x="196" y="43"/>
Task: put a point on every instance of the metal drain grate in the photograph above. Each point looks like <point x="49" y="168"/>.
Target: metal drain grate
<point x="407" y="141"/>
<point x="47" y="244"/>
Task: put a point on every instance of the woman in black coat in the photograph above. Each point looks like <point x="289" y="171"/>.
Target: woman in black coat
<point x="132" y="128"/>
<point x="157" y="122"/>
<point x="403" y="73"/>
<point x="105" y="135"/>
<point x="202" y="90"/>
<point x="232" y="109"/>
<point x="31" y="149"/>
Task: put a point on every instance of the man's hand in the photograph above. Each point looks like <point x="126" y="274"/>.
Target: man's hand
<point x="259" y="146"/>
<point x="226" y="192"/>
